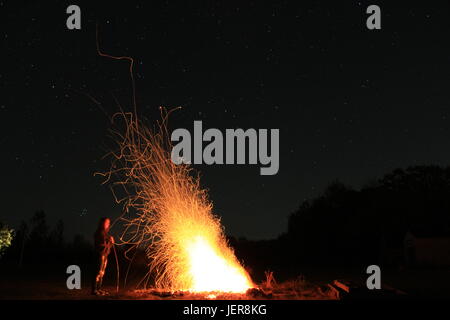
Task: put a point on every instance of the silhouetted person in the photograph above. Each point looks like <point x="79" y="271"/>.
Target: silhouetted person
<point x="103" y="242"/>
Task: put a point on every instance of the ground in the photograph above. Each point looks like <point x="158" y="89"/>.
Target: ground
<point x="44" y="283"/>
<point x="41" y="283"/>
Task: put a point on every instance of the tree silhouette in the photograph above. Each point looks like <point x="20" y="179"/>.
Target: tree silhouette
<point x="56" y="236"/>
<point x="345" y="226"/>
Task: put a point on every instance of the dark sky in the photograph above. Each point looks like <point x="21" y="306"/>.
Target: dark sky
<point x="351" y="104"/>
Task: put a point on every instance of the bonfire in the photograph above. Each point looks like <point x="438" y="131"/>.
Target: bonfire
<point x="169" y="213"/>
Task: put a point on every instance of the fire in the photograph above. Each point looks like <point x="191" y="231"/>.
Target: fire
<point x="172" y="215"/>
<point x="211" y="271"/>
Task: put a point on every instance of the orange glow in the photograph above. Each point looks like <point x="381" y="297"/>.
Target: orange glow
<point x="210" y="270"/>
<point x="169" y="214"/>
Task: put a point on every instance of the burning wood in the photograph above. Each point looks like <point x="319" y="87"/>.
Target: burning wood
<point x="289" y="290"/>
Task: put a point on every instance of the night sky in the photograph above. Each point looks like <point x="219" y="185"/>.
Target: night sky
<point x="351" y="104"/>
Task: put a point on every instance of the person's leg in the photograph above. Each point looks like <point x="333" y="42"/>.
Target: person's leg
<point x="104" y="262"/>
<point x="97" y="275"/>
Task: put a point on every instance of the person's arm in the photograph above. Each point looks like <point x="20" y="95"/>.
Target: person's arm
<point x="109" y="241"/>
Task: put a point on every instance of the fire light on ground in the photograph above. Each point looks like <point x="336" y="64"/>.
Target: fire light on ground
<point x="170" y="214"/>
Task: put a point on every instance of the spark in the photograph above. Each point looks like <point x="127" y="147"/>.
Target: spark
<point x="168" y="213"/>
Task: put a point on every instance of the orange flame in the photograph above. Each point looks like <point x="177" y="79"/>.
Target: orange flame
<point x="211" y="271"/>
<point x="184" y="239"/>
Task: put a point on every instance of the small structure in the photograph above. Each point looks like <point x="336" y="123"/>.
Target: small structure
<point x="425" y="247"/>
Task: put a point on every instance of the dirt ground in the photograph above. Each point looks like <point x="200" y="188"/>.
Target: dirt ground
<point x="51" y="290"/>
<point x="19" y="284"/>
<point x="43" y="284"/>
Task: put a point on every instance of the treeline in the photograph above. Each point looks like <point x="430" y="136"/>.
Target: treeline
<point x="35" y="242"/>
<point x="42" y="250"/>
<point x="341" y="227"/>
<point x="348" y="227"/>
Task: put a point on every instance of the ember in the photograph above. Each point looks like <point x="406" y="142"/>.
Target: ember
<point x="173" y="216"/>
